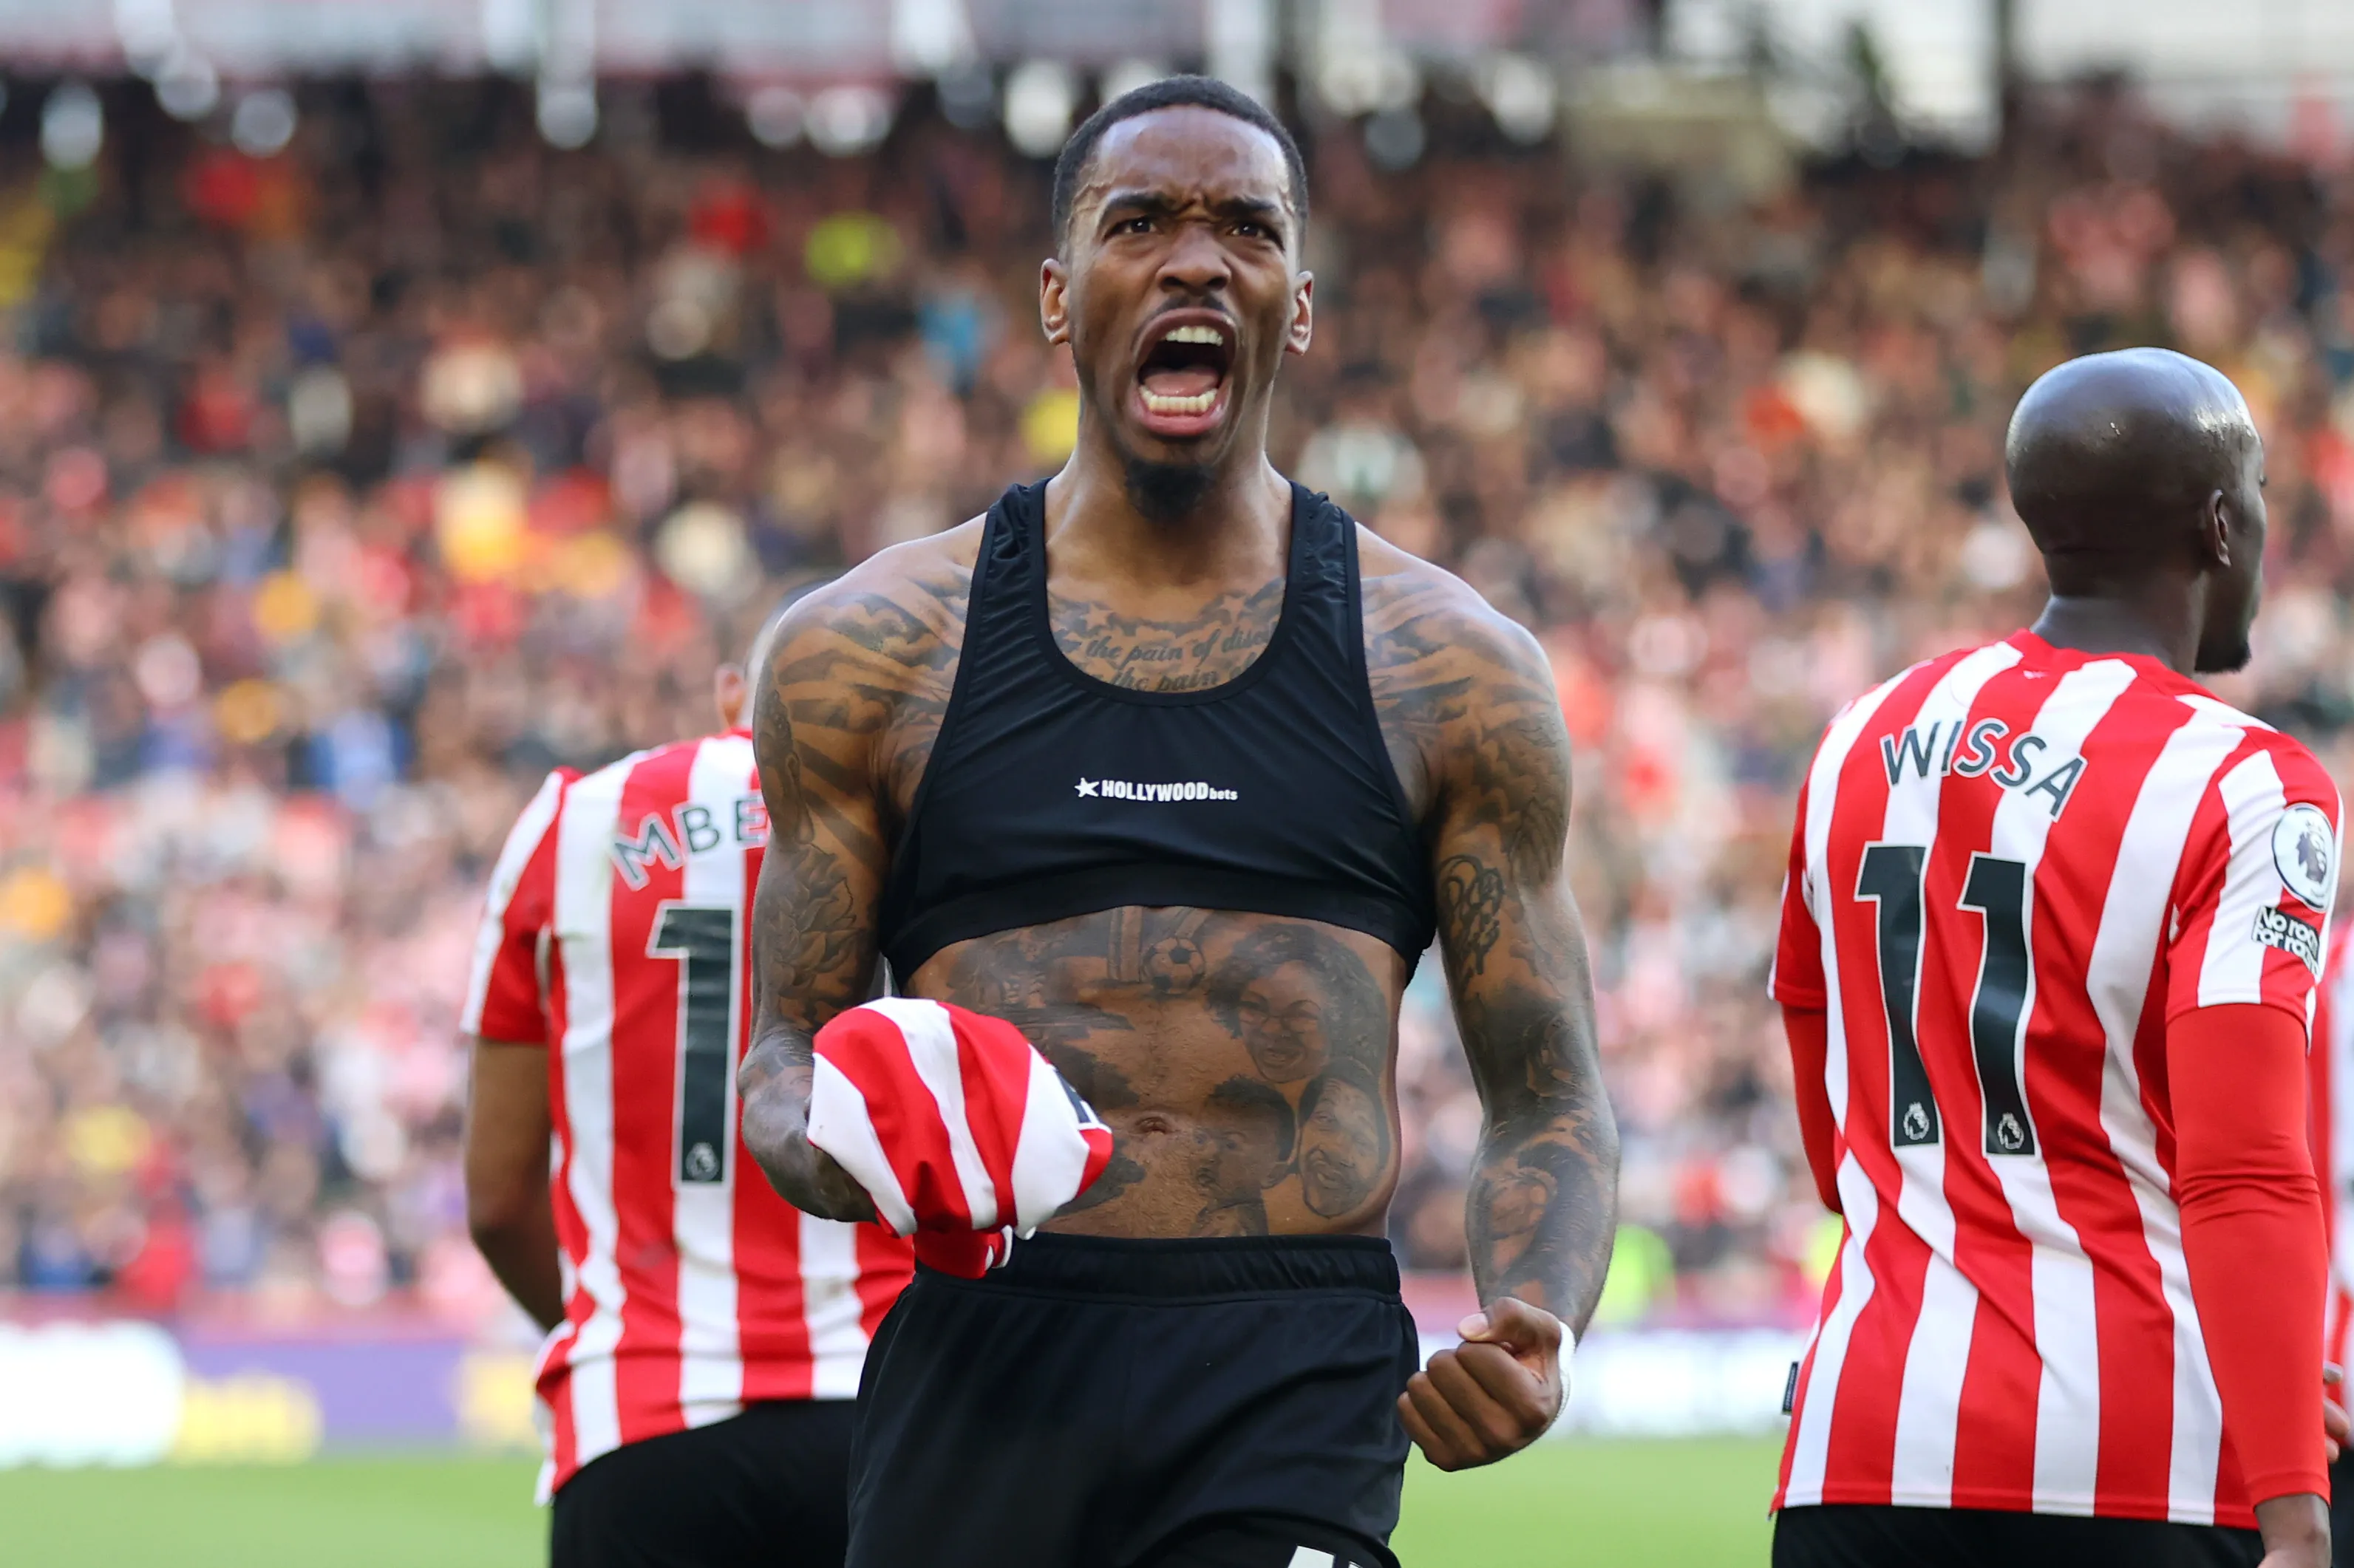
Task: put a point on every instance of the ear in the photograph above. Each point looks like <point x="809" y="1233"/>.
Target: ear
<point x="1054" y="300"/>
<point x="728" y="691"/>
<point x="1303" y="314"/>
<point x="2215" y="524"/>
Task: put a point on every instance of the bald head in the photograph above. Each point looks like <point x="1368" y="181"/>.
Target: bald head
<point x="2140" y="476"/>
<point x="2107" y="453"/>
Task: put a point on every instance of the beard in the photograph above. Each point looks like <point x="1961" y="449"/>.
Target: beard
<point x="2226" y="648"/>
<point x="2227" y="654"/>
<point x="1165" y="492"/>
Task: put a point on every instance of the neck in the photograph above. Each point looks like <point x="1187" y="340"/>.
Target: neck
<point x="2157" y="621"/>
<point x="1239" y="524"/>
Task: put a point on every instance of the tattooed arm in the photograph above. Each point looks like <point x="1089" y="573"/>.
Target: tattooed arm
<point x="1467" y="705"/>
<point x="1545" y="1192"/>
<point x="849" y="702"/>
<point x="1544" y="1199"/>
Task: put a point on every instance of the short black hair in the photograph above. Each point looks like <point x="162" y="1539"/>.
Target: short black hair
<point x="1170" y="92"/>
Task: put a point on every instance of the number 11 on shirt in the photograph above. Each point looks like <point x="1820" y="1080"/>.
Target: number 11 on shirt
<point x="1892" y="877"/>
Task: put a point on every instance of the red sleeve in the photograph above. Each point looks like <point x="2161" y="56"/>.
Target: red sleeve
<point x="1797" y="979"/>
<point x="505" y="997"/>
<point x="1808" y="1030"/>
<point x="2258" y="875"/>
<point x="2252" y="1234"/>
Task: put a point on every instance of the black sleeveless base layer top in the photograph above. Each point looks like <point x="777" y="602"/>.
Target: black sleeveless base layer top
<point x="1051" y="793"/>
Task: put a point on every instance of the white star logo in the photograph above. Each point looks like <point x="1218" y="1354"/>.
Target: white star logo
<point x="1088" y="788"/>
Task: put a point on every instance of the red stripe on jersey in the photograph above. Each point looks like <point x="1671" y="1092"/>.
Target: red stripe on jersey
<point x="2001" y="1383"/>
<point x="2192" y="889"/>
<point x="775" y="1332"/>
<point x="998" y="1078"/>
<point x="645" y="1103"/>
<point x="771" y="1313"/>
<point x="872" y="1052"/>
<point x="884" y="1269"/>
<point x="1796" y="980"/>
<point x="2341" y="1305"/>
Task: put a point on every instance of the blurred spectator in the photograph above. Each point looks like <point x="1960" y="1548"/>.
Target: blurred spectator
<point x="344" y="491"/>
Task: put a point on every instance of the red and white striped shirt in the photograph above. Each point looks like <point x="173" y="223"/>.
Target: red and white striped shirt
<point x="619" y="931"/>
<point x="2332" y="1102"/>
<point x="2013" y="867"/>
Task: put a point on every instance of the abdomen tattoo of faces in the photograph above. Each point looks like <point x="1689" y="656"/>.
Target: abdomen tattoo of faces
<point x="1132" y="1006"/>
<point x="1317" y="1027"/>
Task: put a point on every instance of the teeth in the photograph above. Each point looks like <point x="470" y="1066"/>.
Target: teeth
<point x="1208" y="334"/>
<point x="1197" y="404"/>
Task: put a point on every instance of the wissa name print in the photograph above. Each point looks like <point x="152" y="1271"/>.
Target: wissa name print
<point x="1987" y="747"/>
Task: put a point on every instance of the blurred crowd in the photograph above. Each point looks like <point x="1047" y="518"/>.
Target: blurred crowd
<point x="344" y="490"/>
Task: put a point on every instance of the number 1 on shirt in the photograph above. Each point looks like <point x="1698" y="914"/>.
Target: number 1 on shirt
<point x="702" y="937"/>
<point x="1892" y="877"/>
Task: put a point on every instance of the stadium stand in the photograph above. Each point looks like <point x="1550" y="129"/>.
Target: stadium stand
<point x="344" y="490"/>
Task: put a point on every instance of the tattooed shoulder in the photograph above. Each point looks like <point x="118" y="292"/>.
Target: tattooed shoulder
<point x="863" y="668"/>
<point x="1465" y="696"/>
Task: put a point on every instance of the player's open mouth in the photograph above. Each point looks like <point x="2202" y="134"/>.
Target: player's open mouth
<point x="1181" y="379"/>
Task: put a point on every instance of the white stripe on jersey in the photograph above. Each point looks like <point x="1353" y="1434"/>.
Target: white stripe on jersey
<point x="1930" y="1406"/>
<point x="711" y="1370"/>
<point x="2116" y="974"/>
<point x="1858" y="1200"/>
<point x="2233" y="970"/>
<point x="514" y="856"/>
<point x="2067" y="1341"/>
<point x="583" y="930"/>
<point x="2216" y="708"/>
<point x="2338" y="1175"/>
<point x="1046" y="1168"/>
<point x="831" y="1306"/>
<point x="850" y="1134"/>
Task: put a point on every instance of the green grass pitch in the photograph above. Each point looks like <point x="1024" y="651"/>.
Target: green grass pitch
<point x="1627" y="1505"/>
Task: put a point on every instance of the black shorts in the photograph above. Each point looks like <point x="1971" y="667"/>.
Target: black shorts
<point x="2342" y="1511"/>
<point x="1861" y="1535"/>
<point x="769" y="1487"/>
<point x="1099" y="1404"/>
